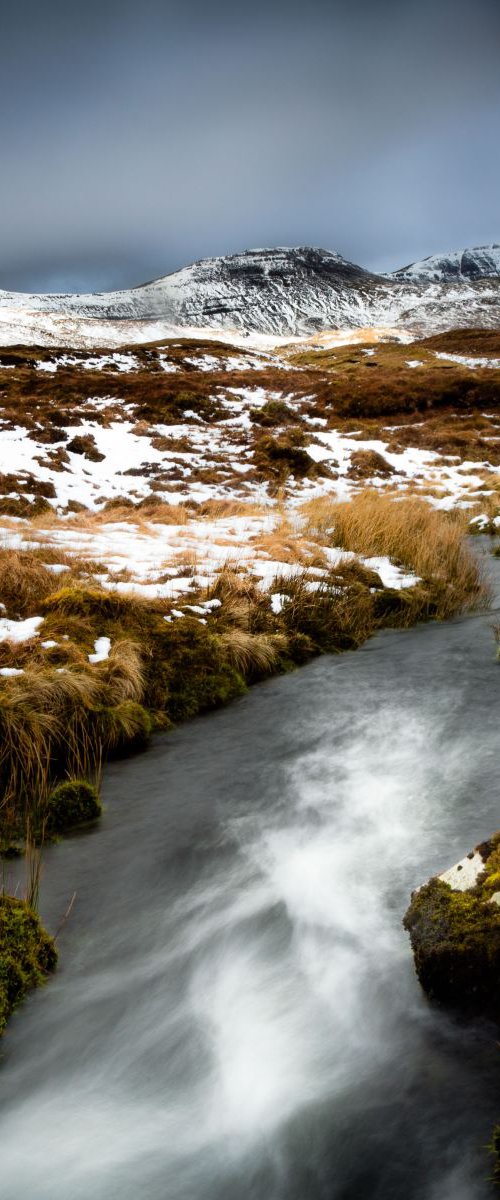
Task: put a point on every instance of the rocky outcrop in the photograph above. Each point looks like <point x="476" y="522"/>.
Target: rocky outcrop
<point x="454" y="927"/>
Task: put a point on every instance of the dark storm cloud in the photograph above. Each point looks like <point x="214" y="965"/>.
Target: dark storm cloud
<point x="137" y="137"/>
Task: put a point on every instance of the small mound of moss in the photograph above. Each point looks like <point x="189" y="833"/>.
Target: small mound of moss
<point x="455" y="938"/>
<point x="73" y="803"/>
<point x="27" y="954"/>
<point x="274" y="412"/>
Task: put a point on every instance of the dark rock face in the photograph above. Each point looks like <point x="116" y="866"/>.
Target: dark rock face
<point x="454" y="927"/>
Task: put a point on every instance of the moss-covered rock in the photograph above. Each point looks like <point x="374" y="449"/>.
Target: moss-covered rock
<point x="73" y="803"/>
<point x="27" y="954"/>
<point x="454" y="927"/>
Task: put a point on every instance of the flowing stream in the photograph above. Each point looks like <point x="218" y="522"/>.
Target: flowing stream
<point x="236" y="1015"/>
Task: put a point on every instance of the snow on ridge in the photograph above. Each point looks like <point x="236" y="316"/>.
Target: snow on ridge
<point x="281" y="292"/>
<point x="473" y="263"/>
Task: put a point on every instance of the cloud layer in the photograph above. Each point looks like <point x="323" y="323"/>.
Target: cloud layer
<point x="135" y="138"/>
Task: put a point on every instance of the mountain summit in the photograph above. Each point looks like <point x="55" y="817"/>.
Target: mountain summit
<point x="286" y="291"/>
<point x="479" y="262"/>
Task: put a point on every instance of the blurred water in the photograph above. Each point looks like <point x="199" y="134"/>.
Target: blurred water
<point x="236" y="1015"/>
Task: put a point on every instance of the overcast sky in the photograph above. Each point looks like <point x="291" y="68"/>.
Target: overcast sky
<point x="137" y="137"/>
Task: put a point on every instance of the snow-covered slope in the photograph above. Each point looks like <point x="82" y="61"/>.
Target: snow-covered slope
<point x="283" y="292"/>
<point x="271" y="291"/>
<point x="479" y="262"/>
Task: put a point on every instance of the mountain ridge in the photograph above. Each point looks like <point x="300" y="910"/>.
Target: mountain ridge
<point x="287" y="291"/>
<point x="471" y="262"/>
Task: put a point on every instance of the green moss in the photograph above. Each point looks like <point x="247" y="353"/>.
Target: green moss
<point x="274" y="412"/>
<point x="73" y="803"/>
<point x="27" y="954"/>
<point x="455" y="938"/>
<point x="88" y="603"/>
<point x="191" y="671"/>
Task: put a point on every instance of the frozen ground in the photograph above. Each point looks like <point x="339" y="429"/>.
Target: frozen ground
<point x="96" y="471"/>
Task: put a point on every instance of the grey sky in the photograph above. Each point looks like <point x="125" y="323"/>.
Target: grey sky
<point x="135" y="138"/>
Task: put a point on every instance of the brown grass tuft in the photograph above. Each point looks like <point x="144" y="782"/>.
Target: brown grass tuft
<point x="253" y="653"/>
<point x="122" y="674"/>
<point x="412" y="534"/>
<point x="24" y="581"/>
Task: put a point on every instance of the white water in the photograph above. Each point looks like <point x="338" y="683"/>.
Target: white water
<point x="236" y="1015"/>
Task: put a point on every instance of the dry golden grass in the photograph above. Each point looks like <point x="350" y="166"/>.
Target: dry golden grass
<point x="253" y="653"/>
<point x="40" y="710"/>
<point x="216" y="510"/>
<point x="286" y="543"/>
<point x="24" y="581"/>
<point x="411" y="533"/>
<point x="149" y="511"/>
<point x="57" y="722"/>
<point x="122" y="673"/>
<point x="187" y="561"/>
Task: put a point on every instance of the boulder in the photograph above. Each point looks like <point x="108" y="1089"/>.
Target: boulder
<point x="454" y="927"/>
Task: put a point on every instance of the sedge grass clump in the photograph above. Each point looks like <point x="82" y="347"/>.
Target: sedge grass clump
<point x="332" y="614"/>
<point x="125" y="728"/>
<point x="276" y="458"/>
<point x="243" y="604"/>
<point x="46" y="729"/>
<point x="122" y="674"/>
<point x="27" y="954"/>
<point x="413" y="535"/>
<point x="254" y="655"/>
<point x="24" y="582"/>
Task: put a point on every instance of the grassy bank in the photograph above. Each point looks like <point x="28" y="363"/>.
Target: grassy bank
<point x="64" y="708"/>
<point x="104" y="668"/>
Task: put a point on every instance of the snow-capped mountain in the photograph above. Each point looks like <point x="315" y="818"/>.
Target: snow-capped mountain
<point x="272" y="291"/>
<point x="276" y="292"/>
<point x="480" y="262"/>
